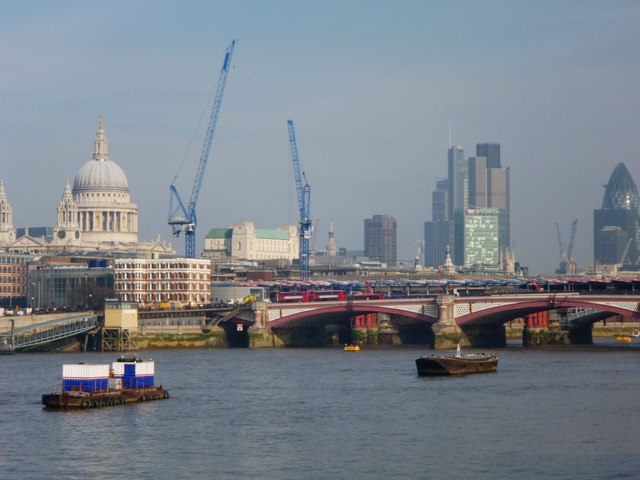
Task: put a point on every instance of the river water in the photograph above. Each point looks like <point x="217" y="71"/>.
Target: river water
<point x="565" y="412"/>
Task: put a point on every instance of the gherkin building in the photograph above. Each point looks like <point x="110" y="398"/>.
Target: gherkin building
<point x="621" y="192"/>
<point x="617" y="223"/>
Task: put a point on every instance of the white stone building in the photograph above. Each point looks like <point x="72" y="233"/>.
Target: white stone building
<point x="183" y="280"/>
<point x="243" y="241"/>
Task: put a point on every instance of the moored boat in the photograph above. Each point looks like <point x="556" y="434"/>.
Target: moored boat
<point x="624" y="339"/>
<point x="351" y="348"/>
<point x="458" y="364"/>
<point x="127" y="380"/>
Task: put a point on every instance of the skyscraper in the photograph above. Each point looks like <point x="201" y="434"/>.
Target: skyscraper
<point x="489" y="187"/>
<point x="616" y="228"/>
<point x="491" y="151"/>
<point x="436" y="232"/>
<point x="380" y="238"/>
<point x="458" y="198"/>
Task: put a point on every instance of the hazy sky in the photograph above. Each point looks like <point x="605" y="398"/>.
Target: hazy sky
<point x="372" y="87"/>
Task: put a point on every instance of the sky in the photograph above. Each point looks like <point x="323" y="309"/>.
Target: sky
<point x="373" y="87"/>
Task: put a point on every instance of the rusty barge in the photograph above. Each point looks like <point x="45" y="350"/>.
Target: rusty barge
<point x="127" y="380"/>
<point x="458" y="364"/>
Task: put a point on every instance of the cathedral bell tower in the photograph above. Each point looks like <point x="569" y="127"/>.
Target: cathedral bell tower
<point x="7" y="231"/>
<point x="67" y="229"/>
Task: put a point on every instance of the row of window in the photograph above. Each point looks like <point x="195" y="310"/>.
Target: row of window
<point x="162" y="286"/>
<point x="162" y="276"/>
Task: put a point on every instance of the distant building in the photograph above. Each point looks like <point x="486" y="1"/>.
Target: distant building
<point x="380" y="239"/>
<point x="184" y="280"/>
<point x="63" y="282"/>
<point x="332" y="251"/>
<point x="616" y="226"/>
<point x="490" y="151"/>
<point x="243" y="241"/>
<point x="13" y="279"/>
<point x="481" y="246"/>
<point x="458" y="197"/>
<point x="437" y="231"/>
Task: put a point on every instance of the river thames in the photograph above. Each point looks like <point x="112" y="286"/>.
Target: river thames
<point x="565" y="412"/>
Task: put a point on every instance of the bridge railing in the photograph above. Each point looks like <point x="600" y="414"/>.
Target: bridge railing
<point x="45" y="332"/>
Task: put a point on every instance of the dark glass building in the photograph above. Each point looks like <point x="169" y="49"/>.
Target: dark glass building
<point x="616" y="229"/>
<point x="380" y="239"/>
<point x="491" y="151"/>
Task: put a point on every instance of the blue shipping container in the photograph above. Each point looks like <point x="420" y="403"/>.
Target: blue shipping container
<point x="138" y="382"/>
<point x="85" y="384"/>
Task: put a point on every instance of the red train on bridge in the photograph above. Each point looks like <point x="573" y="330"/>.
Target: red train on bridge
<point x="324" y="296"/>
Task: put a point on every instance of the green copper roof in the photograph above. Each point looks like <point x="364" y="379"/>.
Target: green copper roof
<point x="272" y="234"/>
<point x="220" y="233"/>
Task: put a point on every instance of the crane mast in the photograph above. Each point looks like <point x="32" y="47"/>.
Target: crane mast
<point x="183" y="218"/>
<point x="305" y="225"/>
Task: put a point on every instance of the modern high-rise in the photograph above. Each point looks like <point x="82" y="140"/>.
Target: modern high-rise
<point x="616" y="227"/>
<point x="458" y="196"/>
<point x="490" y="151"/>
<point x="436" y="232"/>
<point x="481" y="237"/>
<point x="380" y="239"/>
<point x="489" y="187"/>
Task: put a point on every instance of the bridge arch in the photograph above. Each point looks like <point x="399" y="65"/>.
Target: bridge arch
<point x="326" y="312"/>
<point x="508" y="311"/>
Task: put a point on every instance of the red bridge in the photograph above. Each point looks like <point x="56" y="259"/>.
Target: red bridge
<point x="446" y="319"/>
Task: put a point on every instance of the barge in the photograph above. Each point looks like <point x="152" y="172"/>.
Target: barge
<point x="127" y="380"/>
<point x="458" y="364"/>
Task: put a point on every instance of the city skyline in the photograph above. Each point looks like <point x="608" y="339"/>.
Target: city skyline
<point x="373" y="92"/>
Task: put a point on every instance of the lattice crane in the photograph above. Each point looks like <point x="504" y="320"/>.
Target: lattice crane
<point x="181" y="218"/>
<point x="305" y="226"/>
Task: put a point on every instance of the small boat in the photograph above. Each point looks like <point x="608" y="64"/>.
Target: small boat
<point x="623" y="339"/>
<point x="127" y="380"/>
<point x="351" y="348"/>
<point x="458" y="364"/>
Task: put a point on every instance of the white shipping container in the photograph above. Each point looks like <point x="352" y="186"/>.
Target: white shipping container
<point x="118" y="368"/>
<point x="82" y="370"/>
<point x="145" y="368"/>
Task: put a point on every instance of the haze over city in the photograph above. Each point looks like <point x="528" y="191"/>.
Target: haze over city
<point x="373" y="87"/>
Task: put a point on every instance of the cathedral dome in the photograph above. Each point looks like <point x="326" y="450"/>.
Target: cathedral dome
<point x="100" y="173"/>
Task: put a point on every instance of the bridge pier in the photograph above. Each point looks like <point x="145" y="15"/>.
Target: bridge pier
<point x="447" y="334"/>
<point x="543" y="328"/>
<point x="387" y="333"/>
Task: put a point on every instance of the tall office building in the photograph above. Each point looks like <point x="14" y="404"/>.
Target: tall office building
<point x="481" y="237"/>
<point x="478" y="183"/>
<point x="489" y="187"/>
<point x="458" y="197"/>
<point x="380" y="239"/>
<point x="436" y="232"/>
<point x="490" y="151"/>
<point x="616" y="227"/>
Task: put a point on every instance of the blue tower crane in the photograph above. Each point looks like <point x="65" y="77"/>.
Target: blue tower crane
<point x="181" y="218"/>
<point x="305" y="226"/>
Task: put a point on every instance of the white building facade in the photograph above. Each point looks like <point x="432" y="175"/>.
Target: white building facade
<point x="243" y="241"/>
<point x="184" y="280"/>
